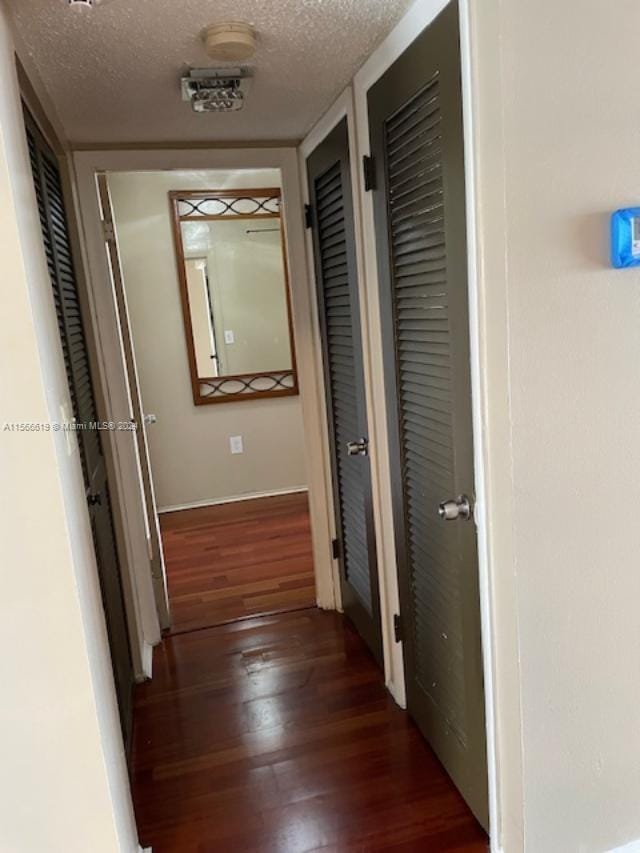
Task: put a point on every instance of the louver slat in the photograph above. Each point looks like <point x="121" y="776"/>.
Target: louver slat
<point x="340" y="344"/>
<point x="57" y="246"/>
<point x="68" y="306"/>
<point x="422" y="340"/>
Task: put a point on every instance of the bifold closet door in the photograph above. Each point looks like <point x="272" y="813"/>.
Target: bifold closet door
<point x="331" y="218"/>
<point x="417" y="145"/>
<point x="55" y="235"/>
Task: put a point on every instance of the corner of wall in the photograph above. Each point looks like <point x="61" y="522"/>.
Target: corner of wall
<point x="489" y="310"/>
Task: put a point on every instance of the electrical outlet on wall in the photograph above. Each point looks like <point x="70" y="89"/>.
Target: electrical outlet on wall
<point x="235" y="443"/>
<point x="229" y="337"/>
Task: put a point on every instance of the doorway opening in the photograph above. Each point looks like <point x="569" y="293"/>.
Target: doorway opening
<point x="238" y="559"/>
<point x="200" y="260"/>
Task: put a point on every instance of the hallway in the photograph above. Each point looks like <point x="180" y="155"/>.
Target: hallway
<point x="238" y="559"/>
<point x="276" y="734"/>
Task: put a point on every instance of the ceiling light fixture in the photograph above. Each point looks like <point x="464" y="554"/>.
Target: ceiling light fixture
<point x="232" y="41"/>
<point x="85" y="4"/>
<point x="215" y="90"/>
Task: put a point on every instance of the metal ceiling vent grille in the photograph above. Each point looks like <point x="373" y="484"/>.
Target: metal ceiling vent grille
<point x="85" y="4"/>
<point x="213" y="90"/>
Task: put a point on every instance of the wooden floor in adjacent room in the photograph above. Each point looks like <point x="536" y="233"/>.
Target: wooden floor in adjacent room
<point x="238" y="559"/>
<point x="276" y="735"/>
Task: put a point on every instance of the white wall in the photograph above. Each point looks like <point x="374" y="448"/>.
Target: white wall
<point x="557" y="135"/>
<point x="189" y="444"/>
<point x="62" y="773"/>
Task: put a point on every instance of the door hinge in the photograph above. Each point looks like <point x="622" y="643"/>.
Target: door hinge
<point x="369" y="169"/>
<point x="397" y="628"/>
<point x="108" y="230"/>
<point x="335" y="549"/>
<point x="308" y="216"/>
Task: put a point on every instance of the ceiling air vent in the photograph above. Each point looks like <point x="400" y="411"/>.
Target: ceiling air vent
<point x="216" y="90"/>
<point x="85" y="4"/>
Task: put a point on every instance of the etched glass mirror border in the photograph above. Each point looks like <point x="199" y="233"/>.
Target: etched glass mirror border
<point x="249" y="205"/>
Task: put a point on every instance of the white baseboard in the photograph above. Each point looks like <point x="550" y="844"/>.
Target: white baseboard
<point x="147" y="663"/>
<point x="397" y="695"/>
<point x="248" y="497"/>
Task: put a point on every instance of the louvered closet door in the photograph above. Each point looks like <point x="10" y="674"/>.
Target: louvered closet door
<point x="416" y="132"/>
<point x="338" y="308"/>
<point x="55" y="235"/>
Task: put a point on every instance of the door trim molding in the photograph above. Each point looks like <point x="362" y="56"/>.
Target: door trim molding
<point x="152" y="531"/>
<point x="318" y="133"/>
<point x="478" y="412"/>
<point x="87" y="164"/>
<point x="147" y="664"/>
<point x="252" y="496"/>
<point x="118" y="408"/>
<point x="488" y="321"/>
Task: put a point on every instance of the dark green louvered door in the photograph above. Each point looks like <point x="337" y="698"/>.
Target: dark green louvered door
<point x="55" y="235"/>
<point x="338" y="309"/>
<point x="415" y="114"/>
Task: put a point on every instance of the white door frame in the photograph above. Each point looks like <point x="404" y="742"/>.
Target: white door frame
<point x="152" y="527"/>
<point x="109" y="339"/>
<point x="374" y="393"/>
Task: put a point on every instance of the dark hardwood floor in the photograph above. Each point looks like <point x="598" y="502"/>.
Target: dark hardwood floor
<point x="238" y="559"/>
<point x="276" y="734"/>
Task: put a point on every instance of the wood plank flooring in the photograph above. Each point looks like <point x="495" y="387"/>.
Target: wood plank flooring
<point x="238" y="559"/>
<point x="276" y="735"/>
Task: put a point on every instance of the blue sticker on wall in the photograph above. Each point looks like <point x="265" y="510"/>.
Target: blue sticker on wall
<point x="625" y="237"/>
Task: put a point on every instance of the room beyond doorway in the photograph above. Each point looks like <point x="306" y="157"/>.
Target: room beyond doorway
<point x="238" y="559"/>
<point x="201" y="261"/>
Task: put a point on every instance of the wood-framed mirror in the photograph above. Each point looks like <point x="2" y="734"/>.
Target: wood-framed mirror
<point x="234" y="289"/>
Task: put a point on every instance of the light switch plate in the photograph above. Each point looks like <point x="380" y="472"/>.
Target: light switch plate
<point x="235" y="443"/>
<point x="229" y="337"/>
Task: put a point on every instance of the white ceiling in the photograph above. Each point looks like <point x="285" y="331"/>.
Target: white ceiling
<point x="113" y="73"/>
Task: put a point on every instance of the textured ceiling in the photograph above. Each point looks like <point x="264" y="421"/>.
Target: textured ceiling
<point x="112" y="73"/>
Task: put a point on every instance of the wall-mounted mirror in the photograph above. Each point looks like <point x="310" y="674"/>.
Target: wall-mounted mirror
<point x="232" y="270"/>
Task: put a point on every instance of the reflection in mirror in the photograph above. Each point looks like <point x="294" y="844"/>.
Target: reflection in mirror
<point x="240" y="296"/>
<point x="201" y="311"/>
<point x="233" y="275"/>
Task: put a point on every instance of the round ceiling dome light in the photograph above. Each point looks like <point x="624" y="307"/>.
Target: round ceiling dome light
<point x="230" y="42"/>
